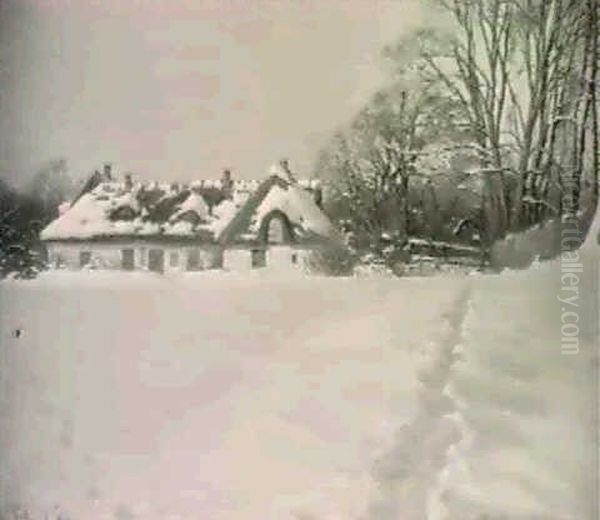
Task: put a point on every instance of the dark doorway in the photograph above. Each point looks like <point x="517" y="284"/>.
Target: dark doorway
<point x="85" y="258"/>
<point x="259" y="258"/>
<point x="127" y="259"/>
<point x="156" y="260"/>
<point x="193" y="260"/>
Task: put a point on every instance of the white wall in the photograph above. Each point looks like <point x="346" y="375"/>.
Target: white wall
<point x="281" y="258"/>
<point x="278" y="258"/>
<point x="66" y="254"/>
<point x="106" y="255"/>
<point x="237" y="259"/>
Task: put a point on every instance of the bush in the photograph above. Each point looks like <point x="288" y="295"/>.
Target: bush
<point x="331" y="261"/>
<point x="21" y="260"/>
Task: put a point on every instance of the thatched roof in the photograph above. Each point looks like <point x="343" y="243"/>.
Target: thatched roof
<point x="304" y="221"/>
<point x="111" y="209"/>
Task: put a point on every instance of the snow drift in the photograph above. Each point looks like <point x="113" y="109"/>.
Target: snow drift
<point x="229" y="397"/>
<point x="217" y="397"/>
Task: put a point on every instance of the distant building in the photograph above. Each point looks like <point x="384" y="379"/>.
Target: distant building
<point x="209" y="224"/>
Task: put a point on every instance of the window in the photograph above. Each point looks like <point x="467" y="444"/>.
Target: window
<point x="173" y="258"/>
<point x="142" y="256"/>
<point x="275" y="233"/>
<point x="85" y="258"/>
<point x="127" y="259"/>
<point x="126" y="213"/>
<point x="191" y="216"/>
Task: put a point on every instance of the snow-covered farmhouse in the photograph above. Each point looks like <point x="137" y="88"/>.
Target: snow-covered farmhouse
<point x="237" y="225"/>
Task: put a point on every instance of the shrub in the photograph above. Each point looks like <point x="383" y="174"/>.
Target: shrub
<point x="331" y="261"/>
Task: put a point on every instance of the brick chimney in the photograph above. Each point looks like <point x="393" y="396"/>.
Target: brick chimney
<point x="318" y="195"/>
<point x="128" y="182"/>
<point x="227" y="184"/>
<point x="107" y="172"/>
<point x="284" y="164"/>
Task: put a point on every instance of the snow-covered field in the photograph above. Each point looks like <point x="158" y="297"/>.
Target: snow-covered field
<point x="230" y="398"/>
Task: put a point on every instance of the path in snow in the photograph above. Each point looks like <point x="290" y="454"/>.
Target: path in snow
<point x="507" y="422"/>
<point x="407" y="472"/>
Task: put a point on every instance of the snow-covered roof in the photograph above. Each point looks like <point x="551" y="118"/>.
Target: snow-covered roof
<point x="113" y="209"/>
<point x="193" y="203"/>
<point x="278" y="194"/>
<point x="200" y="211"/>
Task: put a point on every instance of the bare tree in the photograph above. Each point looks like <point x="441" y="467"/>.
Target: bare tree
<point x="523" y="73"/>
<point x="371" y="163"/>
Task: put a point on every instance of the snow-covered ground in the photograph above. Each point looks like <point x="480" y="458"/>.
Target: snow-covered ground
<point x="225" y="397"/>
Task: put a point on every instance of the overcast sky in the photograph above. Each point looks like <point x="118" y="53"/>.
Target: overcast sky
<point x="181" y="89"/>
